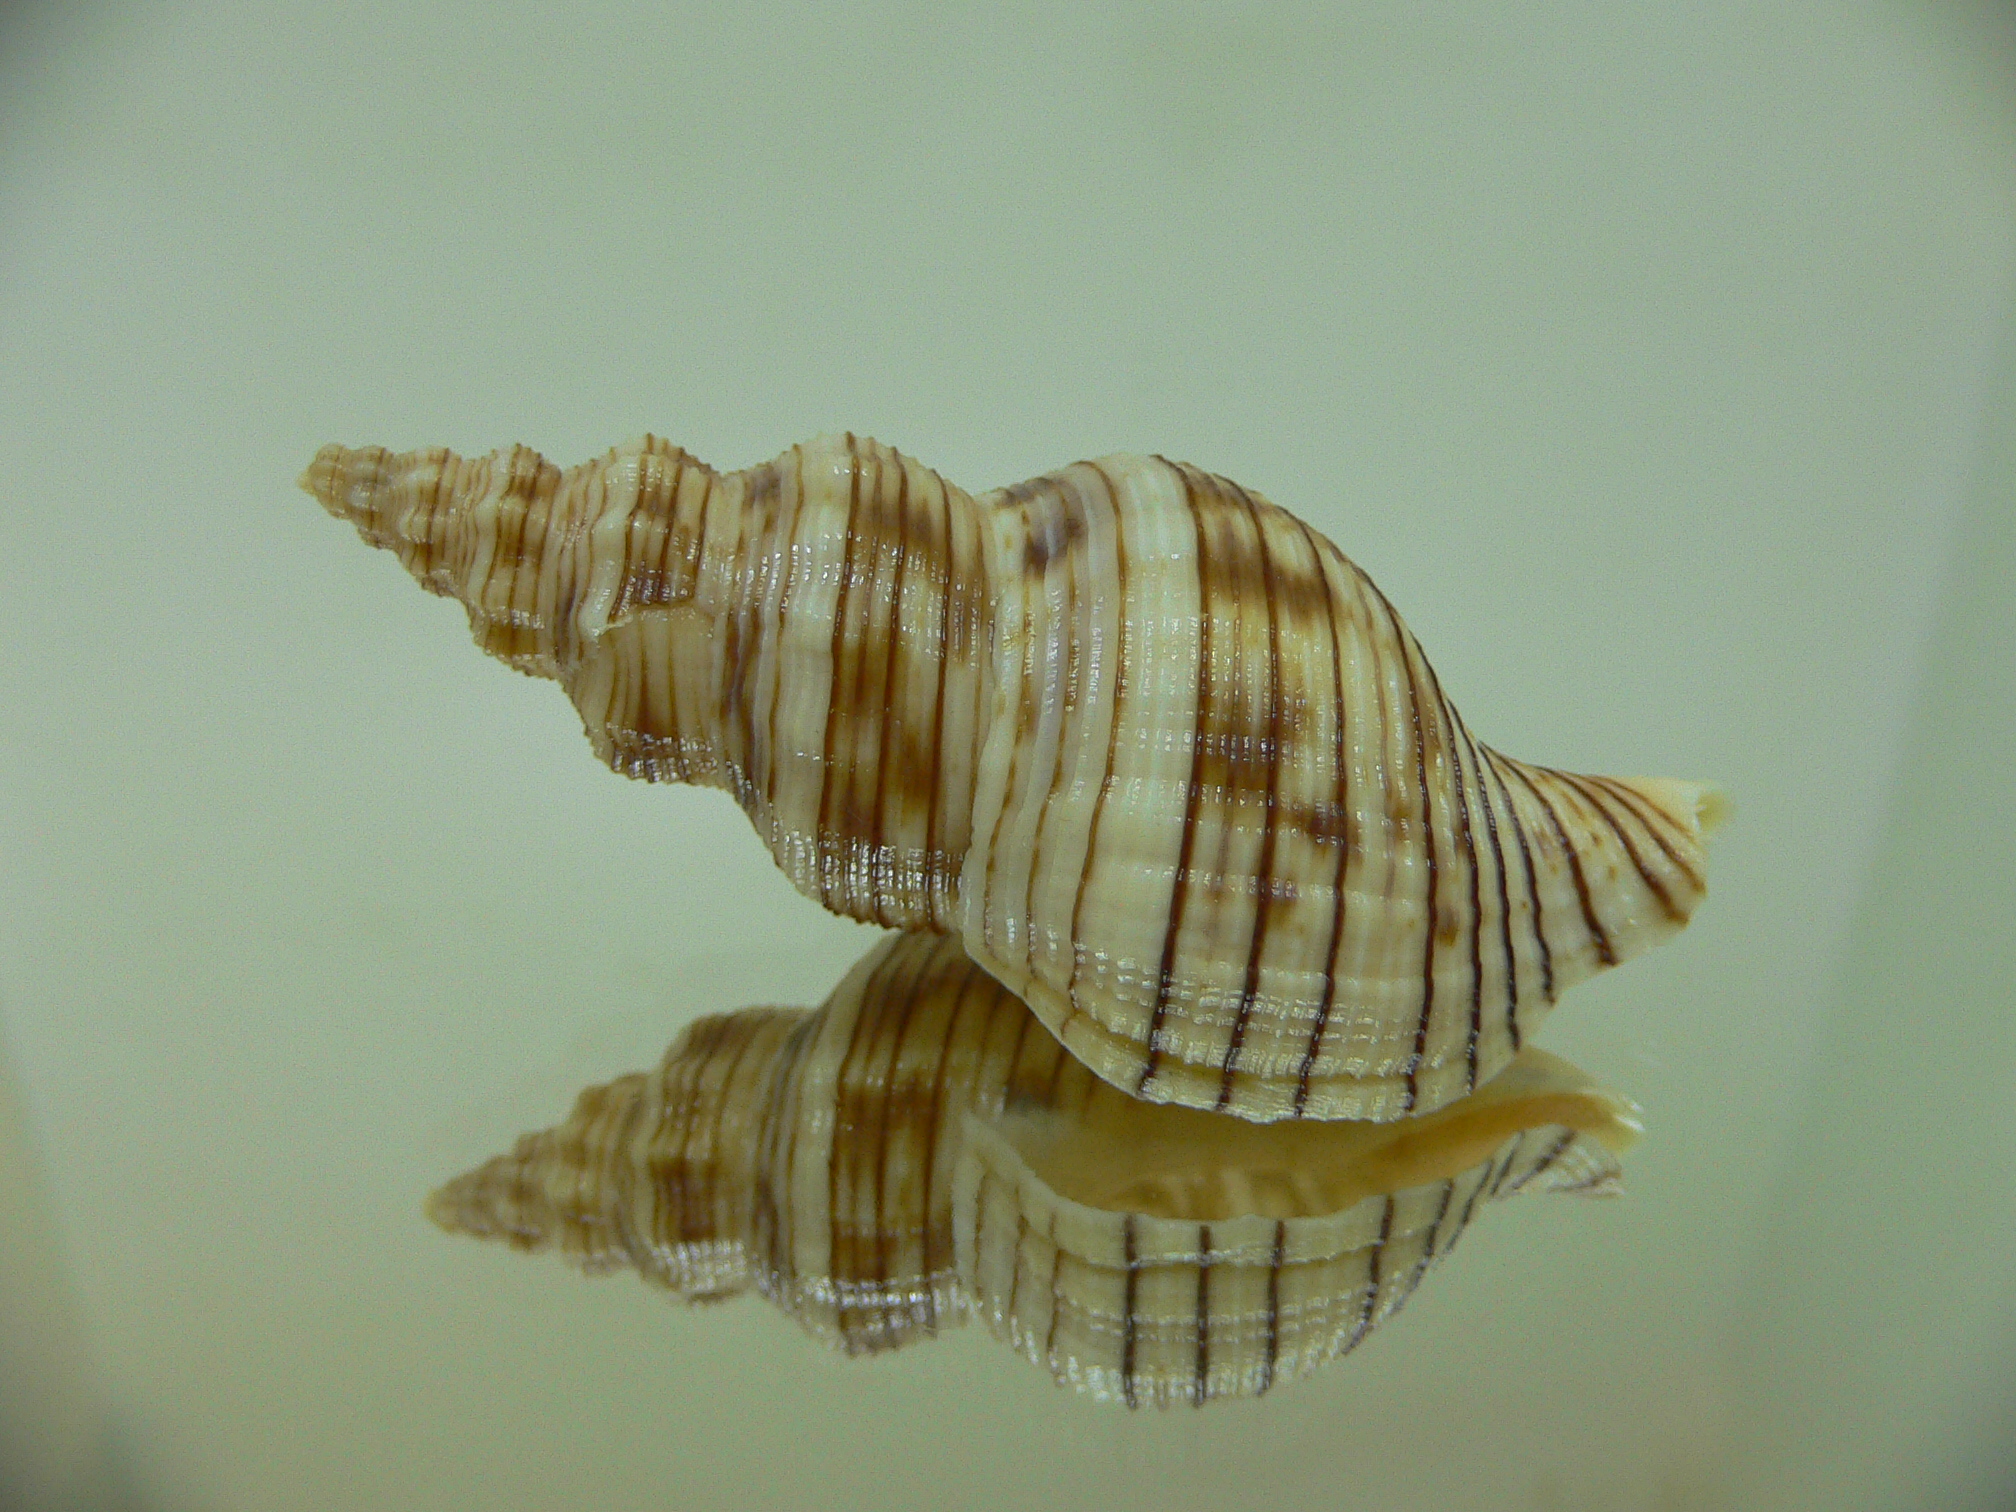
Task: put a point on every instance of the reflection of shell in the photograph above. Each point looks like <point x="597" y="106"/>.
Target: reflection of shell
<point x="919" y="1148"/>
<point x="1166" y="761"/>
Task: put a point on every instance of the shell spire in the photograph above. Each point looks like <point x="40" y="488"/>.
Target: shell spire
<point x="808" y="634"/>
<point x="1166" y="761"/>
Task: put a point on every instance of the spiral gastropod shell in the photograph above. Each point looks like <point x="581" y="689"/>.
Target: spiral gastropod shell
<point x="919" y="1150"/>
<point x="1165" y="761"/>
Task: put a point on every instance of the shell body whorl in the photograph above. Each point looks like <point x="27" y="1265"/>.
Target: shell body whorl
<point x="1165" y="760"/>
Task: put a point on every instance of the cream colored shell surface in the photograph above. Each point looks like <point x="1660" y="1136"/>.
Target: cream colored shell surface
<point x="1163" y="758"/>
<point x="920" y="1150"/>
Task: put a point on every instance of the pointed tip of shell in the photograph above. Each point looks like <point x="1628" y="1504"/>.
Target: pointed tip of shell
<point x="1626" y="1126"/>
<point x="443" y="1207"/>
<point x="326" y="476"/>
<point x="1702" y="806"/>
<point x="492" y="1202"/>
<point x="1713" y="808"/>
<point x="356" y="484"/>
<point x="457" y="1206"/>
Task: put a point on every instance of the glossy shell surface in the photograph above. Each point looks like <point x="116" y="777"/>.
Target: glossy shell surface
<point x="920" y="1150"/>
<point x="1163" y="759"/>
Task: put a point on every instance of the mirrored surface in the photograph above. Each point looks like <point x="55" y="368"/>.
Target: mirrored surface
<point x="920" y="1150"/>
<point x="1659" y="367"/>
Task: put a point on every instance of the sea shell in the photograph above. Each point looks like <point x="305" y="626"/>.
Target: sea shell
<point x="919" y="1149"/>
<point x="1167" y="762"/>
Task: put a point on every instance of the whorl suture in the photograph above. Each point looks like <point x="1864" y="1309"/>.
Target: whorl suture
<point x="1155" y="750"/>
<point x="919" y="1150"/>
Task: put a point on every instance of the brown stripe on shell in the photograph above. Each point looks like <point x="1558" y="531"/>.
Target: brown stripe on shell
<point x="1536" y="921"/>
<point x="624" y="1205"/>
<point x="1202" y="1390"/>
<point x="1505" y="1166"/>
<point x="1015" y="1276"/>
<point x="1120" y="692"/>
<point x="986" y="908"/>
<point x="783" y="618"/>
<point x="1129" y="1321"/>
<point x="1657" y="822"/>
<point x="1264" y="869"/>
<point x="1273" y="1306"/>
<point x="677" y="742"/>
<point x="1554" y="1153"/>
<point x="699" y="1191"/>
<point x="685" y="1188"/>
<point x="934" y="1115"/>
<point x="894" y="1027"/>
<point x="844" y="827"/>
<point x="829" y="860"/>
<point x="842" y="1262"/>
<point x="1180" y="882"/>
<point x="1492" y="1173"/>
<point x="886" y="770"/>
<point x="655" y="532"/>
<point x="1056" y="556"/>
<point x="1418" y="724"/>
<point x="1056" y="1295"/>
<point x="936" y="904"/>
<point x="1597" y="934"/>
<point x="1454" y="745"/>
<point x="676" y="1207"/>
<point x="1366" y="1316"/>
<point x="1597" y="802"/>
<point x="1479" y="767"/>
<point x="695" y="543"/>
<point x="777" y="1164"/>
<point x="741" y="634"/>
<point x="1346" y="842"/>
<point x="1428" y="1250"/>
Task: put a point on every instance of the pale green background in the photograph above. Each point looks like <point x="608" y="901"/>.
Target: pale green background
<point x="1658" y="361"/>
